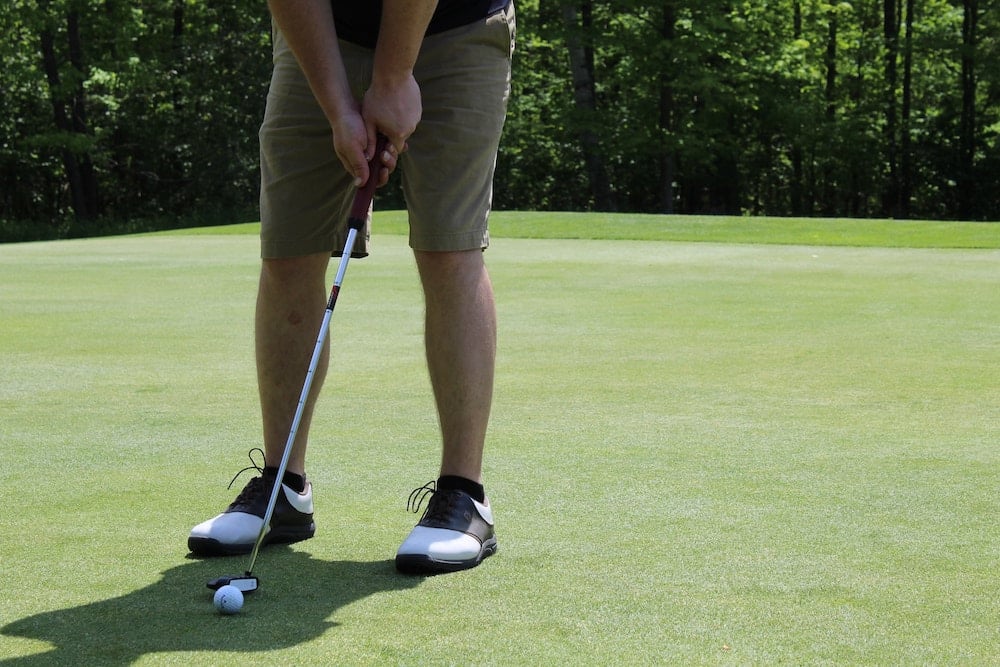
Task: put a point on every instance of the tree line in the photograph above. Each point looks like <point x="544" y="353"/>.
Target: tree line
<point x="148" y="109"/>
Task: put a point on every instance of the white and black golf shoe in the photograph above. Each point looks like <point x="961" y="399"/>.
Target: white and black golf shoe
<point x="235" y="531"/>
<point x="456" y="532"/>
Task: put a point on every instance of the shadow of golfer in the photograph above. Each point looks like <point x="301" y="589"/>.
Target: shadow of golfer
<point x="297" y="597"/>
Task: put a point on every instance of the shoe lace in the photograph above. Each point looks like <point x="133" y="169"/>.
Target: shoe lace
<point x="419" y="494"/>
<point x="439" y="506"/>
<point x="253" y="465"/>
<point x="256" y="485"/>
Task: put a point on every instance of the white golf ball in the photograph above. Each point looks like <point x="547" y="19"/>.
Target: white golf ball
<point x="228" y="599"/>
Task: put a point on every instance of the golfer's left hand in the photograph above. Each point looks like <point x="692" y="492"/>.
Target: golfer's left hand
<point x="392" y="107"/>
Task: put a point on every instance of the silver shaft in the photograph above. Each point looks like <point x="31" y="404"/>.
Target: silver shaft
<point x="306" y="387"/>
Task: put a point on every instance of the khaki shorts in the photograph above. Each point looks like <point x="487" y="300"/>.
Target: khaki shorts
<point x="447" y="173"/>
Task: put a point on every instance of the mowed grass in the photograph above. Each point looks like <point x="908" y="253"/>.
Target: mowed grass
<point x="701" y="453"/>
<point x="716" y="229"/>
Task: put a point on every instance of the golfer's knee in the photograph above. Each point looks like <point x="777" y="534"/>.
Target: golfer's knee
<point x="279" y="271"/>
<point x="444" y="264"/>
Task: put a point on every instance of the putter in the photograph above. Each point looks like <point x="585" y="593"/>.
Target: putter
<point x="248" y="582"/>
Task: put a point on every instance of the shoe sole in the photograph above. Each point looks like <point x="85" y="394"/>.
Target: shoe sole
<point x="420" y="564"/>
<point x="207" y="547"/>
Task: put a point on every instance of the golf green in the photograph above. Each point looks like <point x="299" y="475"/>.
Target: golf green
<point x="700" y="453"/>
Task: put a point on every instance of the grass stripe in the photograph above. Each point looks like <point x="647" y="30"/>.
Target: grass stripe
<point x="715" y="229"/>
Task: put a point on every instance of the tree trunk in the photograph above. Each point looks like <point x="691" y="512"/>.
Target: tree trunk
<point x="796" y="151"/>
<point x="967" y="132"/>
<point x="890" y="198"/>
<point x="905" y="148"/>
<point x="70" y="116"/>
<point x="581" y="58"/>
<point x="668" y="157"/>
<point x="177" y="48"/>
<point x="88" y="176"/>
<point x="829" y="205"/>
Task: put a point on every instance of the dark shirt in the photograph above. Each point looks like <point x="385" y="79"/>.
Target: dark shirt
<point x="358" y="20"/>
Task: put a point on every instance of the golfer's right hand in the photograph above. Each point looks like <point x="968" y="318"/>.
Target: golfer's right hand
<point x="392" y="106"/>
<point x="352" y="145"/>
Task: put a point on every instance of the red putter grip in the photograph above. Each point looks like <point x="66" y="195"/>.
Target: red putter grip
<point x="365" y="194"/>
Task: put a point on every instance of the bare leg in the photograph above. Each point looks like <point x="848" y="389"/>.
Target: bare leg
<point x="460" y="336"/>
<point x="290" y="308"/>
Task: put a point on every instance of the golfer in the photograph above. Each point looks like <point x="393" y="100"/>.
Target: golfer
<point x="434" y="78"/>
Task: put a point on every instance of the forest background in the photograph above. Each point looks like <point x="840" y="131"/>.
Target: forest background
<point x="133" y="115"/>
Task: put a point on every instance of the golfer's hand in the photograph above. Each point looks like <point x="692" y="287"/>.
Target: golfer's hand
<point x="392" y="106"/>
<point x="353" y="146"/>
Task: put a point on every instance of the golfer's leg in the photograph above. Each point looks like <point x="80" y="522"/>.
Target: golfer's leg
<point x="460" y="336"/>
<point x="291" y="301"/>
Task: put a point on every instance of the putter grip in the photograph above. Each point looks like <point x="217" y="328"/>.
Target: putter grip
<point x="363" y="197"/>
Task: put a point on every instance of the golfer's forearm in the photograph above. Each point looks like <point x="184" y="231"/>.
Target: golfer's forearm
<point x="401" y="32"/>
<point x="308" y="27"/>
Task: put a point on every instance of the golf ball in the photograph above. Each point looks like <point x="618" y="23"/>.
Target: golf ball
<point x="228" y="599"/>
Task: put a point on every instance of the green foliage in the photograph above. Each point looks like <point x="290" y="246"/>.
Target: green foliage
<point x="149" y="110"/>
<point x="538" y="162"/>
<point x="767" y="114"/>
<point x="173" y="92"/>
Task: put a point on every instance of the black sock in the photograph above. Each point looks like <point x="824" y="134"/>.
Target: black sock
<point x="296" y="483"/>
<point x="456" y="483"/>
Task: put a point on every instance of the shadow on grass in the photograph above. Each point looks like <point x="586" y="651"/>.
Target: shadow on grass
<point x="297" y="597"/>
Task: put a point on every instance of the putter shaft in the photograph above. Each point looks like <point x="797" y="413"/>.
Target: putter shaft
<point x="356" y="220"/>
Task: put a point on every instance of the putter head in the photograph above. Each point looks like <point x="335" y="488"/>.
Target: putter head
<point x="247" y="583"/>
